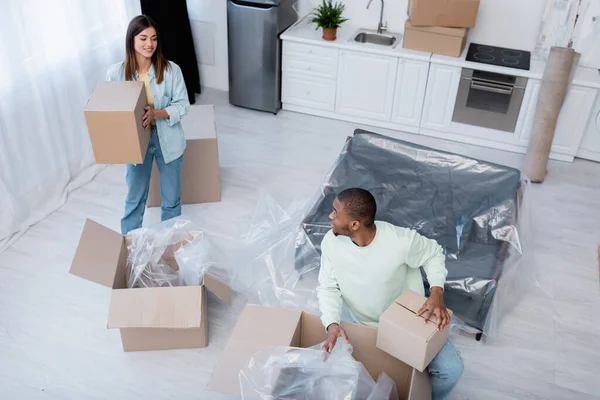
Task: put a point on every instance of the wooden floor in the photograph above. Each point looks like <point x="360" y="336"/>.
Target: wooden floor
<point x="53" y="338"/>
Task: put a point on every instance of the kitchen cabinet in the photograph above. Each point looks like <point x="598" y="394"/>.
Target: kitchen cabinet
<point x="590" y="144"/>
<point x="311" y="60"/>
<point x="440" y="96"/>
<point x="309" y="76"/>
<point x="528" y="109"/>
<point x="572" y="120"/>
<point x="411" y="82"/>
<point x="308" y="91"/>
<point x="365" y="85"/>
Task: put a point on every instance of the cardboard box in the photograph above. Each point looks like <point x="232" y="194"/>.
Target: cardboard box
<point x="260" y="327"/>
<point x="443" y="13"/>
<point x="200" y="171"/>
<point x="405" y="336"/>
<point x="149" y="318"/>
<point x="113" y="115"/>
<point x="445" y="41"/>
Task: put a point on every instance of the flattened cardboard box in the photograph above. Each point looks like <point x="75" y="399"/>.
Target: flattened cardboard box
<point x="200" y="170"/>
<point x="445" y="41"/>
<point x="157" y="318"/>
<point x="113" y="115"/>
<point x="261" y="327"/>
<point x="405" y="336"/>
<point x="443" y="13"/>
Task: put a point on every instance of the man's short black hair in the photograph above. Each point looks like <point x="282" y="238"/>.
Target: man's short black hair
<point x="359" y="204"/>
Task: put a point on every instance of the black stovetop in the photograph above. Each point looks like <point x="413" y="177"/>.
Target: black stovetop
<point x="500" y="56"/>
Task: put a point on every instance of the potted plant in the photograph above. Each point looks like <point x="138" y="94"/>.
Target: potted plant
<point x="329" y="17"/>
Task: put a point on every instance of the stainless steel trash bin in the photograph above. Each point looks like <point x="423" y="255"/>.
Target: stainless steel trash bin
<point x="254" y="48"/>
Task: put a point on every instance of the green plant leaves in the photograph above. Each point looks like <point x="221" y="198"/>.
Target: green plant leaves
<point x="329" y="14"/>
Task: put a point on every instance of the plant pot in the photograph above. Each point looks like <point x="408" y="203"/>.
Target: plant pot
<point x="329" y="33"/>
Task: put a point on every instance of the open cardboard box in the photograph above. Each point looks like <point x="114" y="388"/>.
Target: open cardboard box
<point x="157" y="318"/>
<point x="200" y="181"/>
<point x="406" y="336"/>
<point x="261" y="327"/>
<point x="113" y="115"/>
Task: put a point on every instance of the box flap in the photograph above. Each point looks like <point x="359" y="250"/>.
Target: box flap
<point x="258" y="327"/>
<point x="115" y="96"/>
<point x="460" y="32"/>
<point x="255" y="325"/>
<point x="420" y="386"/>
<point x="100" y="255"/>
<point x="218" y="288"/>
<point x="413" y="301"/>
<point x="199" y="123"/>
<point x="164" y="307"/>
<point x="168" y="255"/>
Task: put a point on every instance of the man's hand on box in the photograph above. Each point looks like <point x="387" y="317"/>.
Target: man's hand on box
<point x="435" y="306"/>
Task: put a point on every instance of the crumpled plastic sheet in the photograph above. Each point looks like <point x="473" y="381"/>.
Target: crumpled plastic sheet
<point x="477" y="211"/>
<point x="266" y="273"/>
<point x="310" y="374"/>
<point x="174" y="253"/>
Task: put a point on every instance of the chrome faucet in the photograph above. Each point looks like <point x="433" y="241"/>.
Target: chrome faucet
<point x="380" y="27"/>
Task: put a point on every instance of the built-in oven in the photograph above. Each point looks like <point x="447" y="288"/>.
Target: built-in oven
<point x="489" y="99"/>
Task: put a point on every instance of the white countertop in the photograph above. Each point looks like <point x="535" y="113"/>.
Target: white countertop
<point x="589" y="77"/>
<point x="303" y="31"/>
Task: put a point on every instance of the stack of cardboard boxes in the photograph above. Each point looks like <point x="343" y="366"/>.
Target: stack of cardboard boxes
<point x="114" y="119"/>
<point x="439" y="26"/>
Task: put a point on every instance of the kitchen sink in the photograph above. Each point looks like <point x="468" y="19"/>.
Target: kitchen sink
<point x="381" y="39"/>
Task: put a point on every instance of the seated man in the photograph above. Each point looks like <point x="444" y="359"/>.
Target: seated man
<point x="367" y="264"/>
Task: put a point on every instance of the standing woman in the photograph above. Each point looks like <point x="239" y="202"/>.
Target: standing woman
<point x="168" y="104"/>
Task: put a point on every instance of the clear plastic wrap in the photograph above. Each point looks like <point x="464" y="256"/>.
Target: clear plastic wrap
<point x="266" y="272"/>
<point x="309" y="374"/>
<point x="175" y="253"/>
<point x="477" y="211"/>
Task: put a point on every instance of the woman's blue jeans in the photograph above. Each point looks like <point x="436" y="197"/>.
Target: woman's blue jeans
<point x="138" y="182"/>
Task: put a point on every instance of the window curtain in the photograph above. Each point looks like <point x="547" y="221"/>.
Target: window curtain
<point x="175" y="31"/>
<point x="52" y="54"/>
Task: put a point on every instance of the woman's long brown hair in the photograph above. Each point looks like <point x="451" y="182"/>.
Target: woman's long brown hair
<point x="137" y="25"/>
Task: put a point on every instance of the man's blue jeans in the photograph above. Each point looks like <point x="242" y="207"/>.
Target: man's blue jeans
<point x="138" y="181"/>
<point x="445" y="371"/>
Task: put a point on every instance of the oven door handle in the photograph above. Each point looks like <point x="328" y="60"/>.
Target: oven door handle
<point x="490" y="87"/>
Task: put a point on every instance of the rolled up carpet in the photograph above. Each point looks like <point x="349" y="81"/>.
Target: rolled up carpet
<point x="553" y="90"/>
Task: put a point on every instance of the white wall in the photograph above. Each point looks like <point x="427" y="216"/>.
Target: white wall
<point x="506" y="23"/>
<point x="509" y="23"/>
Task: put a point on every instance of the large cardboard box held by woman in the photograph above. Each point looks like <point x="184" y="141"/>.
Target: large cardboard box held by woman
<point x="113" y="115"/>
